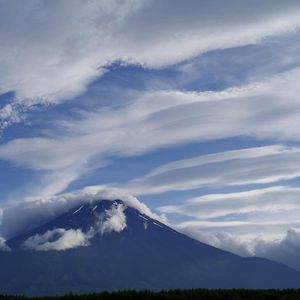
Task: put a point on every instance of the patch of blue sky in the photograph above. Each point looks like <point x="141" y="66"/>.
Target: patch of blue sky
<point x="16" y="182"/>
<point x="221" y="69"/>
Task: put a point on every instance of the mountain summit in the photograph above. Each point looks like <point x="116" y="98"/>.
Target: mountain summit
<point x="108" y="245"/>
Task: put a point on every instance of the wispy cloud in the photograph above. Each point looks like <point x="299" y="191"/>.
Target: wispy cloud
<point x="163" y="119"/>
<point x="239" y="167"/>
<point x="263" y="222"/>
<point x="48" y="57"/>
<point x="269" y="199"/>
<point x="261" y="207"/>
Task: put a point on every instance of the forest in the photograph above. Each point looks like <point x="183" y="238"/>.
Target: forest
<point x="193" y="294"/>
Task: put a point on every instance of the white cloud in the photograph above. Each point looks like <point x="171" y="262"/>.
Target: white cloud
<point x="260" y="222"/>
<point x="35" y="212"/>
<point x="3" y="246"/>
<point x="239" y="167"/>
<point x="64" y="239"/>
<point x="57" y="239"/>
<point x="233" y="219"/>
<point x="222" y="240"/>
<point x="9" y="114"/>
<point x="116" y="220"/>
<point x="269" y="200"/>
<point x="161" y="119"/>
<point x="283" y="247"/>
<point x="53" y="51"/>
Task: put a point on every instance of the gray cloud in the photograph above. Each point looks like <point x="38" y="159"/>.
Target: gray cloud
<point x="284" y="248"/>
<point x="263" y="222"/>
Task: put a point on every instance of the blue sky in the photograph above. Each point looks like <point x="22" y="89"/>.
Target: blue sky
<point x="193" y="107"/>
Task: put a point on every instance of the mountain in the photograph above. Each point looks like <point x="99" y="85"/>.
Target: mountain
<point x="106" y="245"/>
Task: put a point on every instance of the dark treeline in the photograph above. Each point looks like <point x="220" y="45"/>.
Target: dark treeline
<point x="195" y="294"/>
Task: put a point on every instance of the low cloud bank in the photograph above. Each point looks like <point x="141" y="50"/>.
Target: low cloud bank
<point x="284" y="249"/>
<point x="65" y="239"/>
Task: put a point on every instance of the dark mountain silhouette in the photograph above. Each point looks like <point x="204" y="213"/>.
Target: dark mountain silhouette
<point x="146" y="254"/>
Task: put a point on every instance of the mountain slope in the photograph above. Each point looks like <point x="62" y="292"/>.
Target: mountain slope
<point x="141" y="253"/>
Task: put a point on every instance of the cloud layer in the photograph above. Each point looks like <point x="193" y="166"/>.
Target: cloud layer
<point x="256" y="165"/>
<point x="270" y="210"/>
<point x="283" y="248"/>
<point x="53" y="51"/>
<point x="270" y="200"/>
<point x="161" y="119"/>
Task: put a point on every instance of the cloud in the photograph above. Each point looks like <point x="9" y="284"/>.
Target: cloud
<point x="63" y="240"/>
<point x="162" y="119"/>
<point x="262" y="222"/>
<point x="268" y="200"/>
<point x="116" y="220"/>
<point x="239" y="167"/>
<point x="53" y="51"/>
<point x="222" y="240"/>
<point x="268" y="212"/>
<point x="9" y="114"/>
<point x="283" y="248"/>
<point x="3" y="246"/>
<point x="34" y="212"/>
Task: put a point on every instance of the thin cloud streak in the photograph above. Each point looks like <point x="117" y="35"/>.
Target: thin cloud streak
<point x="258" y="165"/>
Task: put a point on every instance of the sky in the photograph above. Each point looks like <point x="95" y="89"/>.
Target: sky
<point x="191" y="106"/>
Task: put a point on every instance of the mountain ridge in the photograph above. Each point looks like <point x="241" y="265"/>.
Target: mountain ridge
<point x="135" y="252"/>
